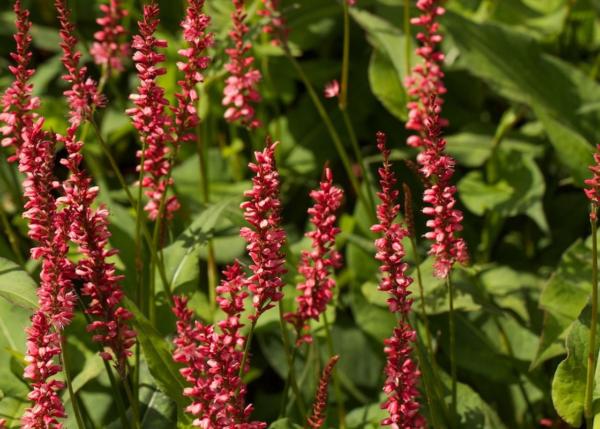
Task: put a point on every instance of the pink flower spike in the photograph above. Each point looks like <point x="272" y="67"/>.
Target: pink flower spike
<point x="82" y="96"/>
<point x="593" y="184"/>
<point x="426" y="88"/>
<point x="212" y="359"/>
<point x="17" y="102"/>
<point x="241" y="92"/>
<point x="150" y="118"/>
<point x="332" y="89"/>
<point x="48" y="228"/>
<point x="402" y="374"/>
<point x="265" y="236"/>
<point x="316" y="265"/>
<point x="198" y="40"/>
<point x="109" y="48"/>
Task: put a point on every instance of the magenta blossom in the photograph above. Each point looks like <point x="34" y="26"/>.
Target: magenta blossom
<point x="332" y="89"/>
<point x="150" y="118"/>
<point x="316" y="265"/>
<point x="265" y="236"/>
<point x="212" y="359"/>
<point x="241" y="93"/>
<point x="17" y="103"/>
<point x="109" y="48"/>
<point x="426" y="87"/>
<point x="402" y="374"/>
<point x="275" y="24"/>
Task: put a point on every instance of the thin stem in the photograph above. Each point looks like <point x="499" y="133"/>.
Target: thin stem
<point x="343" y="99"/>
<point x="286" y="387"/>
<point x="407" y="37"/>
<point x="452" y="326"/>
<point x="69" y="381"/>
<point x="337" y="141"/>
<point x="210" y="257"/>
<point x="285" y="335"/>
<point x="247" y="348"/>
<point x="336" y="381"/>
<point x="135" y="411"/>
<point x="119" y="399"/>
<point x="592" y="353"/>
<point x="428" y="340"/>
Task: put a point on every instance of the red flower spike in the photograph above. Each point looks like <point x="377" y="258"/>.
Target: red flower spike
<point x="109" y="49"/>
<point x="48" y="228"/>
<point x="593" y="190"/>
<point x="241" y="93"/>
<point x="275" y="24"/>
<point x="212" y="359"/>
<point x="316" y="420"/>
<point x="402" y="374"/>
<point x="149" y="116"/>
<point x="88" y="226"/>
<point x="17" y="102"/>
<point x="426" y="87"/>
<point x="316" y="265"/>
<point x="195" y="62"/>
<point x="265" y="236"/>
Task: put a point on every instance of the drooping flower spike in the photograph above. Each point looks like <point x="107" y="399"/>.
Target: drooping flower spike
<point x="150" y="118"/>
<point x="426" y="87"/>
<point x="265" y="236"/>
<point x="88" y="226"/>
<point x="317" y="418"/>
<point x="18" y="105"/>
<point x="198" y="39"/>
<point x="241" y="92"/>
<point x="316" y="265"/>
<point x="213" y="357"/>
<point x="109" y="48"/>
<point x="275" y="24"/>
<point x="402" y="374"/>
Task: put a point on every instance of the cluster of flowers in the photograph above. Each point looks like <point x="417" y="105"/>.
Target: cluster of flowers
<point x="426" y="87"/>
<point x="214" y="356"/>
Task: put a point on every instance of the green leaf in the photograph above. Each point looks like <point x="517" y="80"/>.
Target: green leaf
<point x="284" y="424"/>
<point x="16" y="286"/>
<point x="159" y="356"/>
<point x="386" y="85"/>
<point x="568" y="384"/>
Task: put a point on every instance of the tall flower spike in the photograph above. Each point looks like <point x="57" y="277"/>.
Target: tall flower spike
<point x="109" y="49"/>
<point x="265" y="236"/>
<point x="401" y="371"/>
<point x="149" y="116"/>
<point x="316" y="265"/>
<point x="316" y="420"/>
<point x="426" y="87"/>
<point x="212" y="359"/>
<point x="198" y="40"/>
<point x="241" y="91"/>
<point x="88" y="226"/>
<point x="17" y="103"/>
<point x="48" y="228"/>
<point x="82" y="96"/>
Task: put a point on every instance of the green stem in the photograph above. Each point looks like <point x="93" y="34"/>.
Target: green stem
<point x="336" y="380"/>
<point x="135" y="411"/>
<point x="285" y="335"/>
<point x="69" y="382"/>
<point x="286" y="387"/>
<point x="452" y="327"/>
<point x="428" y="340"/>
<point x="592" y="353"/>
<point x="247" y="348"/>
<point x="335" y="137"/>
<point x="343" y="99"/>
<point x="407" y="37"/>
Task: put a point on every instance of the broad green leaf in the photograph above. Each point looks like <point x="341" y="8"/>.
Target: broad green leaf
<point x="479" y="196"/>
<point x="568" y="384"/>
<point x="16" y="286"/>
<point x="386" y="85"/>
<point x="159" y="356"/>
<point x="284" y="424"/>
